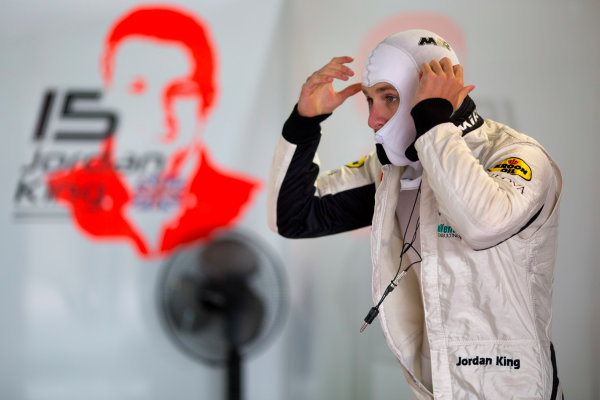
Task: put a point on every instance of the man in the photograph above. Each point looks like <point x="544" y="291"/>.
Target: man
<point x="471" y="200"/>
<point x="187" y="197"/>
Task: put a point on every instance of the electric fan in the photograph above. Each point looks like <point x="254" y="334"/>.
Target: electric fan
<point x="222" y="301"/>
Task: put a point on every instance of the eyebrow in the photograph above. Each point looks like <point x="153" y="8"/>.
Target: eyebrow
<point x="382" y="89"/>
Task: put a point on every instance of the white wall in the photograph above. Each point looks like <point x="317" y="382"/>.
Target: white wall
<point x="79" y="316"/>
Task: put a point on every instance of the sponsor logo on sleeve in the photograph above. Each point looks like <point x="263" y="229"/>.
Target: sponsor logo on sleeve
<point x="519" y="187"/>
<point x="514" y="166"/>
<point x="357" y="164"/>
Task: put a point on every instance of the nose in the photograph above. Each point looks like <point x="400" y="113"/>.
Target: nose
<point x="377" y="118"/>
<point x="170" y="122"/>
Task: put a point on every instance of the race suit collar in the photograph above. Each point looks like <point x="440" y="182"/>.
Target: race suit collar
<point x="383" y="159"/>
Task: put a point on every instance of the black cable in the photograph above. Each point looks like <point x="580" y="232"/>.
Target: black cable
<point x="374" y="311"/>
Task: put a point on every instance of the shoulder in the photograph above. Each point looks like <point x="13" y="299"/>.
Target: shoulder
<point x="515" y="154"/>
<point x="362" y="172"/>
<point x="500" y="135"/>
<point x="504" y="140"/>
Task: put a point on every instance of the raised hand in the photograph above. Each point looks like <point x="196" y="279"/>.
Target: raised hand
<point x="318" y="96"/>
<point x="441" y="79"/>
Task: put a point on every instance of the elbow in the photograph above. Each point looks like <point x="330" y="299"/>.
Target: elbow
<point x="290" y="231"/>
<point x="483" y="237"/>
<point x="287" y="230"/>
<point x="481" y="242"/>
<point x="488" y="224"/>
<point x="281" y="227"/>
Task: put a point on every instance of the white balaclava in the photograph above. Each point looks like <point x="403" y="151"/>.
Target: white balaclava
<point x="397" y="60"/>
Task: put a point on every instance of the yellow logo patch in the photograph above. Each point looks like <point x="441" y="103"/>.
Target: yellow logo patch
<point x="357" y="164"/>
<point x="514" y="166"/>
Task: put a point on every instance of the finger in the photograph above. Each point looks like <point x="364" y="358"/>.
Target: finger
<point x="350" y="90"/>
<point x="347" y="70"/>
<point x="336" y="71"/>
<point x="315" y="81"/>
<point x="333" y="69"/>
<point x="458" y="72"/>
<point x="339" y="68"/>
<point x="342" y="60"/>
<point x="316" y="77"/>
<point x="446" y="65"/>
<point x="436" y="67"/>
<point x="330" y="74"/>
<point x="319" y="79"/>
<point x="328" y="71"/>
<point x="425" y="69"/>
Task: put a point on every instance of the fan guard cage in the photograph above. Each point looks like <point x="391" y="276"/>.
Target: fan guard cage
<point x="209" y="344"/>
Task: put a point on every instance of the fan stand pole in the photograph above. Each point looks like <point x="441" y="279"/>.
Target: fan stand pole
<point x="234" y="377"/>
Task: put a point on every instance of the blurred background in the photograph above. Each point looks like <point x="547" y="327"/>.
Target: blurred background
<point x="128" y="138"/>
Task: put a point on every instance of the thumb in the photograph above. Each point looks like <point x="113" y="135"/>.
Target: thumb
<point x="468" y="89"/>
<point x="350" y="90"/>
<point x="462" y="95"/>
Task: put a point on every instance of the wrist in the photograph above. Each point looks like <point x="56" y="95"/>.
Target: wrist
<point x="299" y="129"/>
<point x="429" y="113"/>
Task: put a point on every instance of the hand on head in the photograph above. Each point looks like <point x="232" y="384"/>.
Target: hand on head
<point x="318" y="97"/>
<point x="441" y="79"/>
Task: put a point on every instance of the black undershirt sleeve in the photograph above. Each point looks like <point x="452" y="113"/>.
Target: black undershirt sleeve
<point x="301" y="213"/>
<point x="427" y="114"/>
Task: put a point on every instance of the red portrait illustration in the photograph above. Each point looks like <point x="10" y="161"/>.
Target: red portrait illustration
<point x="153" y="183"/>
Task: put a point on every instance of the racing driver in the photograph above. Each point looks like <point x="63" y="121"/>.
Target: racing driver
<point x="470" y="204"/>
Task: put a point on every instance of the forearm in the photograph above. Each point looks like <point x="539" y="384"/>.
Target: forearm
<point x="485" y="208"/>
<point x="300" y="207"/>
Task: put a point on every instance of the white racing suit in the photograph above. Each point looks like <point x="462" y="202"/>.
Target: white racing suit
<point x="488" y="234"/>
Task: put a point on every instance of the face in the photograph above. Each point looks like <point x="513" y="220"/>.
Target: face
<point x="144" y="71"/>
<point x="383" y="100"/>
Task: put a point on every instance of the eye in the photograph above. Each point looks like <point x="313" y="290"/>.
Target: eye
<point x="391" y="99"/>
<point x="369" y="102"/>
<point x="137" y="86"/>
